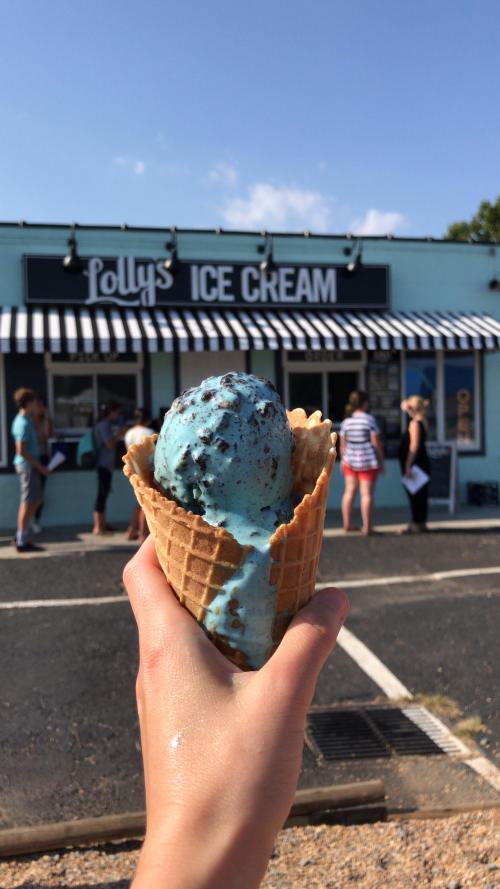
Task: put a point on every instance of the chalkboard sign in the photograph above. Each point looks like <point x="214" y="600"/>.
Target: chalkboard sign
<point x="383" y="384"/>
<point x="443" y="472"/>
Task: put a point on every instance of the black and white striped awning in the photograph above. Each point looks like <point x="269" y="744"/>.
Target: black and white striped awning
<point x="79" y="329"/>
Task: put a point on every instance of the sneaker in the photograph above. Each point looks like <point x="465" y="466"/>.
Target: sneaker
<point x="30" y="548"/>
<point x="36" y="527"/>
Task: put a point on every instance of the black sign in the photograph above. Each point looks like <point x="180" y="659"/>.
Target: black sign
<point x="442" y="486"/>
<point x="383" y="384"/>
<point x="131" y="281"/>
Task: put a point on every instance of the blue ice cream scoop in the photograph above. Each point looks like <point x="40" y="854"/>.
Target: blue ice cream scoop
<point x="225" y="453"/>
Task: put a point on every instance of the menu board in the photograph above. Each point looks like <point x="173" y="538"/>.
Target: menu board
<point x="383" y="384"/>
<point x="443" y="473"/>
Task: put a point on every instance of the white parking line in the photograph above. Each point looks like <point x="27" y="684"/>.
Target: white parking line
<point x="365" y="659"/>
<point x="486" y="769"/>
<point x="412" y="578"/>
<point x="372" y="666"/>
<point x="345" y="584"/>
<point x="60" y="603"/>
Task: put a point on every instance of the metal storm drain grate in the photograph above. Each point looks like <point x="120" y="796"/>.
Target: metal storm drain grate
<point x="376" y="732"/>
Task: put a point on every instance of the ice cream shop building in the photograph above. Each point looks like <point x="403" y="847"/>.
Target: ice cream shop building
<point x="93" y="313"/>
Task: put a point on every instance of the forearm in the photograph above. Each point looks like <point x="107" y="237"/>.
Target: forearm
<point x="410" y="458"/>
<point x="31" y="460"/>
<point x="113" y="441"/>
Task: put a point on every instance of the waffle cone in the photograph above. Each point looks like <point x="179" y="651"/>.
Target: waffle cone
<point x="198" y="559"/>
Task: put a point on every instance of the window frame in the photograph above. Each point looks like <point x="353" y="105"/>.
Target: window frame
<point x="357" y="365"/>
<point x="3" y="417"/>
<point x="92" y="369"/>
<point x="440" y="356"/>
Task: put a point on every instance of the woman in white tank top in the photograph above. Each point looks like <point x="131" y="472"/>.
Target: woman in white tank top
<point x="138" y="529"/>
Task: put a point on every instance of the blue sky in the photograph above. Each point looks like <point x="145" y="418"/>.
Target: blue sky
<point x="371" y="117"/>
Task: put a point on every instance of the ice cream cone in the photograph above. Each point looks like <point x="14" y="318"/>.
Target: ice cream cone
<point x="198" y="559"/>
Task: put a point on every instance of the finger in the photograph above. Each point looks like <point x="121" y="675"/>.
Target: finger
<point x="152" y="599"/>
<point x="164" y="625"/>
<point x="307" y="643"/>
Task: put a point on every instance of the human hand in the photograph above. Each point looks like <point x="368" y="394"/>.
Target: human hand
<point x="43" y="470"/>
<point x="221" y="748"/>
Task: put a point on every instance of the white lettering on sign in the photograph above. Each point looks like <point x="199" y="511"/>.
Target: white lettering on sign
<point x="289" y="285"/>
<point x="208" y="292"/>
<point x="286" y="285"/>
<point x="249" y="284"/>
<point x="131" y="278"/>
<point x="224" y="276"/>
<point x="210" y="283"/>
<point x="127" y="281"/>
<point x="325" y="285"/>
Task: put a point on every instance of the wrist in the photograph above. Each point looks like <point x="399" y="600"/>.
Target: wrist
<point x="193" y="856"/>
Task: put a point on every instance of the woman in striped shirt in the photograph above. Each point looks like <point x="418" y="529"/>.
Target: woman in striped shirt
<point x="362" y="459"/>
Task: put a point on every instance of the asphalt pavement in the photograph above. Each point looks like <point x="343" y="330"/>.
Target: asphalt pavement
<point x="69" y="743"/>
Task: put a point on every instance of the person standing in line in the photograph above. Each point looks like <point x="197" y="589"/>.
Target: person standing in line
<point x="362" y="459"/>
<point x="413" y="452"/>
<point x="28" y="467"/>
<point x="138" y="528"/>
<point x="44" y="431"/>
<point x="105" y="444"/>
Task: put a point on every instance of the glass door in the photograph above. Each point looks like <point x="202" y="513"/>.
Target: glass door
<point x="323" y="390"/>
<point x="305" y="390"/>
<point x="340" y="384"/>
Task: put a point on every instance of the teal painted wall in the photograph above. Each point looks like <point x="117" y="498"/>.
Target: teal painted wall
<point x="423" y="276"/>
<point x="262" y="365"/>
<point x="69" y="499"/>
<point x="162" y="380"/>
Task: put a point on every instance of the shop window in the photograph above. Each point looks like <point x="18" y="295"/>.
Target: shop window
<point x="3" y="417"/>
<point x="121" y="388"/>
<point x="77" y="398"/>
<point x="451" y="382"/>
<point x="77" y="390"/>
<point x="421" y="379"/>
<point x="460" y="400"/>
<point x="74" y="402"/>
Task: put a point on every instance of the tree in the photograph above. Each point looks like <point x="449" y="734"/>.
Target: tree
<point x="484" y="225"/>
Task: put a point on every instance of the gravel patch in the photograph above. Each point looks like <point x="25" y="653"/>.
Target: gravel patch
<point x="453" y="853"/>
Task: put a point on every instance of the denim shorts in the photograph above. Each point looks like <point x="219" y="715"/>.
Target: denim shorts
<point x="30" y="483"/>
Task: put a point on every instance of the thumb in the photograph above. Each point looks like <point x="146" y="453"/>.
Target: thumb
<point x="308" y="642"/>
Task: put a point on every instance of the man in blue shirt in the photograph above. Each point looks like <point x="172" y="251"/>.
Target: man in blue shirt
<point x="106" y="437"/>
<point x="27" y="466"/>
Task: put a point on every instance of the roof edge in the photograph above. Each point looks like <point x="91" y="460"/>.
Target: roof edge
<point x="347" y="236"/>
